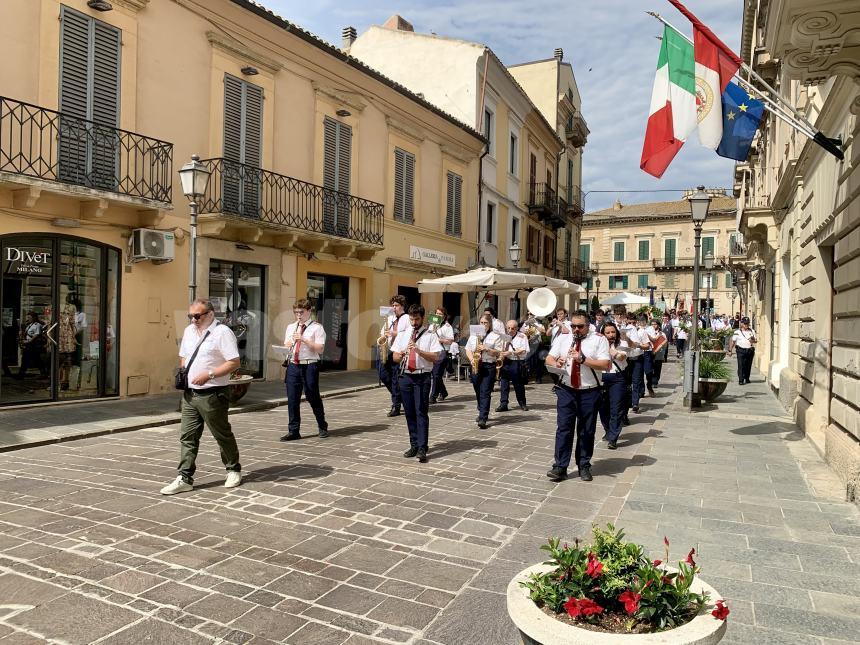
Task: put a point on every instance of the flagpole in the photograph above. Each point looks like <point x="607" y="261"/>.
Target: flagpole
<point x="771" y="106"/>
<point x="833" y="146"/>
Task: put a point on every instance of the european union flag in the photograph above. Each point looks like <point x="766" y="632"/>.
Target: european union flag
<point x="741" y="116"/>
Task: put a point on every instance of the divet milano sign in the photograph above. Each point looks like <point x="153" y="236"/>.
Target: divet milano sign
<point x="432" y="256"/>
<point x="29" y="260"/>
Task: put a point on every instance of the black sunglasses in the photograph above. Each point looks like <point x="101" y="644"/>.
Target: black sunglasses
<point x="196" y="316"/>
<point x="579" y="326"/>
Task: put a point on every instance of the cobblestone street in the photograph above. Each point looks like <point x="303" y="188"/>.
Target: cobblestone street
<point x="345" y="541"/>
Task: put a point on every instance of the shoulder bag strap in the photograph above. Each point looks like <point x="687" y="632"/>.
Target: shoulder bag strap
<point x="197" y="349"/>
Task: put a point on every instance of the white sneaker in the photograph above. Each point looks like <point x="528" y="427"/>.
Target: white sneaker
<point x="233" y="479"/>
<point x="178" y="485"/>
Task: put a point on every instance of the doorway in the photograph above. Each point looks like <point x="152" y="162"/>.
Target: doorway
<point x="413" y="297"/>
<point x="331" y="295"/>
<point x="59" y="319"/>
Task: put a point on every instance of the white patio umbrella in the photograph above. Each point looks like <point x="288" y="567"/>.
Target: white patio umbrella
<point x="493" y="279"/>
<point x="625" y="298"/>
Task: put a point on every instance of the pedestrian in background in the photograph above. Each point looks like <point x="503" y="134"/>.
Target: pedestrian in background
<point x="210" y="354"/>
<point x="743" y="341"/>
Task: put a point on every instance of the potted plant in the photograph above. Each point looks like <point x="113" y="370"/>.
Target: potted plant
<point x="239" y="384"/>
<point x="713" y="377"/>
<point x="609" y="591"/>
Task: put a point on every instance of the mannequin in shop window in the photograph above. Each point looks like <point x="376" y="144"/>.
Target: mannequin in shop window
<point x="67" y="342"/>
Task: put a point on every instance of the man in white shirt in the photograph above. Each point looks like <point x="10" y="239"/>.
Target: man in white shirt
<point x="445" y="334"/>
<point x="640" y="359"/>
<point x="533" y="329"/>
<point x="743" y="341"/>
<point x="389" y="374"/>
<point x="583" y="355"/>
<point x="305" y="340"/>
<point x="514" y="354"/>
<point x="559" y="325"/>
<point x="498" y="326"/>
<point x="210" y="354"/>
<point x="489" y="347"/>
<point x="718" y="324"/>
<point x="415" y="352"/>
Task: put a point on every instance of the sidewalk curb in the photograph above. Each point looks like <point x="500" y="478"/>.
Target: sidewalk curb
<point x="254" y="407"/>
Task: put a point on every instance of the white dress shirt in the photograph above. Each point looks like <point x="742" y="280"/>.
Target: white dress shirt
<point x="743" y="338"/>
<point x="519" y="343"/>
<point x="619" y="364"/>
<point x="399" y="324"/>
<point x="314" y="334"/>
<point x="218" y="348"/>
<point x="427" y="342"/>
<point x="446" y="332"/>
<point x="493" y="340"/>
<point x="633" y="338"/>
<point x="594" y="346"/>
<point x="498" y="326"/>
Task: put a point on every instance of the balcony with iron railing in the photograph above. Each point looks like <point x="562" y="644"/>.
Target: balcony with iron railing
<point x="737" y="247"/>
<point x="310" y="217"/>
<point x="673" y="264"/>
<point x="46" y="150"/>
<point x="576" y="131"/>
<point x="574" y="202"/>
<point x="578" y="271"/>
<point x="542" y="199"/>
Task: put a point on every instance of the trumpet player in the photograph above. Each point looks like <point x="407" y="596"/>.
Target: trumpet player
<point x="613" y="405"/>
<point x="396" y="323"/>
<point x="445" y="333"/>
<point x="559" y="325"/>
<point x="513" y="371"/>
<point x="415" y="352"/>
<point x="484" y="353"/>
<point x="305" y="340"/>
<point x="582" y="355"/>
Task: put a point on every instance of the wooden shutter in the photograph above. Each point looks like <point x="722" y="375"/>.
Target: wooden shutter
<point x="707" y="245"/>
<point x="585" y="254"/>
<point x="243" y="146"/>
<point x="252" y="148"/>
<point x="453" y="210"/>
<point x="644" y="249"/>
<point x="532" y="177"/>
<point x="105" y="105"/>
<point x="337" y="166"/>
<point x="74" y="96"/>
<point x="404" y="186"/>
<point x="669" y="247"/>
<point x="624" y="282"/>
<point x="398" y="184"/>
<point x="232" y="179"/>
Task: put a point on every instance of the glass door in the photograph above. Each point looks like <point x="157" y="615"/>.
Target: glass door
<point x="238" y="293"/>
<point x="331" y="294"/>
<point x="28" y="325"/>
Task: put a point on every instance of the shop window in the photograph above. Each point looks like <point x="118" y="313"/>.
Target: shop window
<point x="238" y="292"/>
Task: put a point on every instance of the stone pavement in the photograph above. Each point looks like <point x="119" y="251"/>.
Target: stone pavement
<point x="50" y="423"/>
<point x="344" y="541"/>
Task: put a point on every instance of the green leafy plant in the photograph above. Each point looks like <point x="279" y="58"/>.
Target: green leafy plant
<point x="611" y="582"/>
<point x="713" y="369"/>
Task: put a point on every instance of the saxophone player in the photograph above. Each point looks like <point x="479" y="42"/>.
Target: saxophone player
<point x="415" y="352"/>
<point x="445" y="333"/>
<point x="513" y="369"/>
<point x="484" y="352"/>
<point x="397" y="323"/>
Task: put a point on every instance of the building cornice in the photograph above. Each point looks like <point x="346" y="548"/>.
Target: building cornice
<point x="233" y="47"/>
<point x="649" y="219"/>
<point x="405" y="129"/>
<point x="132" y="5"/>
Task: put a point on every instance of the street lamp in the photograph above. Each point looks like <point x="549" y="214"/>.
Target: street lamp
<point x="194" y="177"/>
<point x="700" y="202"/>
<point x="709" y="267"/>
<point x="597" y="295"/>
<point x="514" y="254"/>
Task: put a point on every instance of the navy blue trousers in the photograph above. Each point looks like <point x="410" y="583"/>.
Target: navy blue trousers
<point x="303" y="378"/>
<point x="576" y="416"/>
<point x="389" y="376"/>
<point x="636" y="367"/>
<point x="513" y="373"/>
<point x="415" y="391"/>
<point x="437" y="385"/>
<point x="613" y="404"/>
<point x="483" y="383"/>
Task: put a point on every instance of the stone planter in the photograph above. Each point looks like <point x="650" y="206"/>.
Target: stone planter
<point x="238" y="387"/>
<point x="711" y="388"/>
<point x="538" y="628"/>
<point x="714" y="354"/>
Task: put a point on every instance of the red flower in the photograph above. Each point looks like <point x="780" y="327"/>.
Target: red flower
<point x="721" y="612"/>
<point x="631" y="601"/>
<point x="648" y="584"/>
<point x="689" y="559"/>
<point x="666" y="541"/>
<point x="594" y="566"/>
<point x="657" y="563"/>
<point x="583" y="607"/>
<point x="667" y="580"/>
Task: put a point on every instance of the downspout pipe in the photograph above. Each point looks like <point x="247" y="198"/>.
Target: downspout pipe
<point x="479" y="261"/>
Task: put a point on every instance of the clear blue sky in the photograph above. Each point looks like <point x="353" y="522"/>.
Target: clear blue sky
<point x="612" y="45"/>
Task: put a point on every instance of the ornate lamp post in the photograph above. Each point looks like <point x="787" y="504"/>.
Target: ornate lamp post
<point x="514" y="253"/>
<point x="194" y="177"/>
<point x="700" y="202"/>
<point x="709" y="267"/>
<point x="597" y="295"/>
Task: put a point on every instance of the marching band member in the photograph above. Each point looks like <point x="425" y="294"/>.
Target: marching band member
<point x="614" y="401"/>
<point x="445" y="334"/>
<point x="582" y="354"/>
<point x="533" y="330"/>
<point x="397" y="322"/>
<point x="600" y="321"/>
<point x="513" y="371"/>
<point x="498" y="326"/>
<point x="305" y="340"/>
<point x="415" y="352"/>
<point x="640" y="361"/>
<point x="486" y="351"/>
<point x="559" y="325"/>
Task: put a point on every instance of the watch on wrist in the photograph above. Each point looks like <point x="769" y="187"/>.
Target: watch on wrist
<point x="211" y="375"/>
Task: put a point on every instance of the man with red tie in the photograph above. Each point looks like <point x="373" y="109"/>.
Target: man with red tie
<point x="583" y="355"/>
<point x="415" y="352"/>
<point x="305" y="340"/>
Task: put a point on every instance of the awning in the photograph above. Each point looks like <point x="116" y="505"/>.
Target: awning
<point x="492" y="279"/>
<point x="626" y="298"/>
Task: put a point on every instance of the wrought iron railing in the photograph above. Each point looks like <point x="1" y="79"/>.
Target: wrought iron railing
<point x="574" y="201"/>
<point x="45" y="144"/>
<point x="672" y="263"/>
<point x="737" y="247"/>
<point x="542" y="197"/>
<point x="263" y="196"/>
<point x="578" y="271"/>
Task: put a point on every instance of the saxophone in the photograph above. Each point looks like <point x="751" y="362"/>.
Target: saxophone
<point x="476" y="359"/>
<point x="382" y="342"/>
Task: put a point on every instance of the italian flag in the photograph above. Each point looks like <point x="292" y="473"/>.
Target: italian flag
<point x="714" y="70"/>
<point x="673" y="103"/>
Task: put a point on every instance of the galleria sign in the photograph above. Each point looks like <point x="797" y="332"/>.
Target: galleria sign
<point x="30" y="261"/>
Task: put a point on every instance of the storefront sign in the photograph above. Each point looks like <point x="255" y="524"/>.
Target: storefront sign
<point x="432" y="257"/>
<point x="29" y="261"/>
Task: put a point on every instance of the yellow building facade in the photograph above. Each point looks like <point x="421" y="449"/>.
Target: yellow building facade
<point x="327" y="179"/>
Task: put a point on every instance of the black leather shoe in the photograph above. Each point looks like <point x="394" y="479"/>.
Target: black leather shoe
<point x="585" y="474"/>
<point x="635" y="408"/>
<point x="482" y="424"/>
<point x="524" y="408"/>
<point x="612" y="445"/>
<point x="502" y="408"/>
<point x="324" y="433"/>
<point x="394" y="411"/>
<point x="432" y="401"/>
<point x="626" y="420"/>
<point x="557" y="474"/>
<point x="291" y="436"/>
<point x="422" y="456"/>
<point x="605" y="437"/>
<point x="442" y="398"/>
<point x="411" y="452"/>
<point x="478" y="419"/>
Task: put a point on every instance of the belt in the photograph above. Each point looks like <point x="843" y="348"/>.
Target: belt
<point x="580" y="389"/>
<point x="208" y="390"/>
<point x="416" y="372"/>
<point x="306" y="361"/>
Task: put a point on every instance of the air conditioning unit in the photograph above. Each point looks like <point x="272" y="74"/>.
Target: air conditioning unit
<point x="147" y="244"/>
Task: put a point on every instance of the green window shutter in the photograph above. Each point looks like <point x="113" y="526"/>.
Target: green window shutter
<point x="585" y="254"/>
<point x="642" y="282"/>
<point x="729" y="282"/>
<point x="644" y="249"/>
<point x="624" y="282"/>
<point x="669" y="249"/>
<point x="618" y="251"/>
<point x="707" y="245"/>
